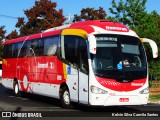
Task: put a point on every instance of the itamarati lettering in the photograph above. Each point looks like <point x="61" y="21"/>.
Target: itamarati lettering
<point x="117" y="28"/>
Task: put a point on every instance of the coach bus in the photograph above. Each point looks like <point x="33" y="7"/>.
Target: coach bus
<point x="97" y="63"/>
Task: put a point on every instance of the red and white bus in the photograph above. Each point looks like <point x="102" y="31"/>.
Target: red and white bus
<point x="97" y="63"/>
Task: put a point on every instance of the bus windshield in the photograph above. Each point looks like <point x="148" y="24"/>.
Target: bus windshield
<point x="119" y="57"/>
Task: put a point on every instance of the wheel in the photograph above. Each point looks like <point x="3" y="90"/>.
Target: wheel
<point x="65" y="98"/>
<point x="16" y="88"/>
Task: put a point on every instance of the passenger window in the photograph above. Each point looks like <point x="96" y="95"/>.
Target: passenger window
<point x="36" y="47"/>
<point x="23" y="50"/>
<point x="8" y="51"/>
<point x="50" y="45"/>
<point x="17" y="47"/>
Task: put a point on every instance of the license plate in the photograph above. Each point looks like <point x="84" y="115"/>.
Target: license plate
<point x="124" y="100"/>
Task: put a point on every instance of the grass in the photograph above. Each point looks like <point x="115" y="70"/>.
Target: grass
<point x="154" y="85"/>
<point x="154" y="97"/>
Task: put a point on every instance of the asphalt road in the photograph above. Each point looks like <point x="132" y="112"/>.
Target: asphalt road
<point x="49" y="108"/>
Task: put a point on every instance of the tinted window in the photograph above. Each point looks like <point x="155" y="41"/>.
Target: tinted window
<point x="23" y="50"/>
<point x="74" y="51"/>
<point x="7" y="51"/>
<point x="11" y="50"/>
<point x="83" y="55"/>
<point x="50" y="45"/>
<point x="38" y="47"/>
<point x="120" y="57"/>
<point x="70" y="50"/>
<point x="17" y="47"/>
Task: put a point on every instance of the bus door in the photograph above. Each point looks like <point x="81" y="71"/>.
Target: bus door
<point x="74" y="54"/>
<point x="83" y="72"/>
<point x="69" y="55"/>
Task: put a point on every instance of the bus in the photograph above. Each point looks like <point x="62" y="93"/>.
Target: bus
<point x="96" y="63"/>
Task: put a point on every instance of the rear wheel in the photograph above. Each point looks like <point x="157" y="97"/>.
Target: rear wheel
<point x="65" y="98"/>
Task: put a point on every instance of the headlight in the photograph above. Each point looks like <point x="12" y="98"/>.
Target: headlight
<point x="144" y="91"/>
<point x="97" y="90"/>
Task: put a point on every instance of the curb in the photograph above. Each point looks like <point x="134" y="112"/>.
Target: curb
<point x="154" y="102"/>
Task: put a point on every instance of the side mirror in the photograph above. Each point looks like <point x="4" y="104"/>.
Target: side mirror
<point x="92" y="44"/>
<point x="153" y="46"/>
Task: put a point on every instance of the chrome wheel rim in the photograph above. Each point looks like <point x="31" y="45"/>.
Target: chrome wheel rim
<point x="66" y="97"/>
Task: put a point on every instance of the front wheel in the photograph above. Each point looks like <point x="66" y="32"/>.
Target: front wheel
<point x="65" y="98"/>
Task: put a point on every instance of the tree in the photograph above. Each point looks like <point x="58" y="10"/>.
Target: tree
<point x="42" y="8"/>
<point x="109" y="18"/>
<point x="133" y="14"/>
<point x="12" y="35"/>
<point x="90" y="14"/>
<point x="2" y="37"/>
<point x="149" y="27"/>
<point x="128" y="12"/>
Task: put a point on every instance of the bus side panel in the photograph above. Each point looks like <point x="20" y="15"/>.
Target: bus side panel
<point x="41" y="75"/>
<point x="8" y="72"/>
<point x="9" y="66"/>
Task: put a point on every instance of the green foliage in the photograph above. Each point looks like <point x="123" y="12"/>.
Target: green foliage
<point x="109" y="18"/>
<point x="128" y="12"/>
<point x="149" y="27"/>
<point x="133" y="14"/>
<point x="90" y="14"/>
<point x="154" y="69"/>
<point x="154" y="97"/>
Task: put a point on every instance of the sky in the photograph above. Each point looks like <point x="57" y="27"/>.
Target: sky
<point x="11" y="9"/>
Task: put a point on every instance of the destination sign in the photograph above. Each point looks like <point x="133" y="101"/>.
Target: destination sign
<point x="106" y="38"/>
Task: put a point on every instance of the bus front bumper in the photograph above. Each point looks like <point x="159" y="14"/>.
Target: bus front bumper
<point x="119" y="100"/>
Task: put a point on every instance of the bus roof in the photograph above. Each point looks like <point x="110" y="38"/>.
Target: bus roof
<point x="34" y="36"/>
<point x="88" y="26"/>
<point x="102" y="24"/>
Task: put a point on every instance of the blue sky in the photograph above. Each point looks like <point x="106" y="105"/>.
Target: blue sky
<point x="15" y="8"/>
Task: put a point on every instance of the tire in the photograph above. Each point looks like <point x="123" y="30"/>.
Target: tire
<point x="16" y="89"/>
<point x="65" y="98"/>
